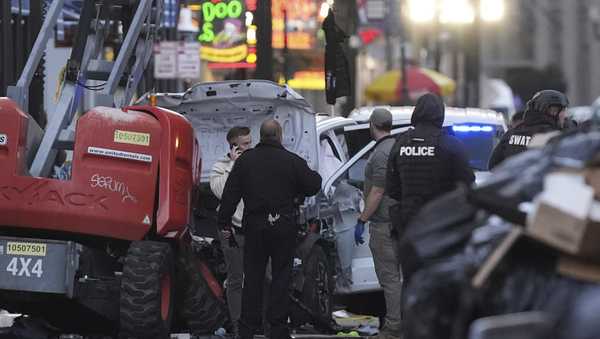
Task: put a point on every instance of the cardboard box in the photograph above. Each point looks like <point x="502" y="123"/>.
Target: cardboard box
<point x="592" y="178"/>
<point x="579" y="270"/>
<point x="567" y="217"/>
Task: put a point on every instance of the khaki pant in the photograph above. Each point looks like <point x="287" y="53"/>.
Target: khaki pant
<point x="389" y="273"/>
<point x="234" y="259"/>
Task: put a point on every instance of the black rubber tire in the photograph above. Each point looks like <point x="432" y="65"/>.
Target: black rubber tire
<point x="202" y="311"/>
<point x="317" y="292"/>
<point x="146" y="263"/>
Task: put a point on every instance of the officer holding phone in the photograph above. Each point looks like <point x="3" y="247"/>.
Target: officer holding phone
<point x="232" y="239"/>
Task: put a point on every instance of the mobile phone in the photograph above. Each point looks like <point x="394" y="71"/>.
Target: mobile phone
<point x="231" y="146"/>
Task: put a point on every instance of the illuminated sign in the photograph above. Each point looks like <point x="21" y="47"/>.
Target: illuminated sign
<point x="301" y="18"/>
<point x="220" y="11"/>
<point x="308" y="80"/>
<point x="233" y="54"/>
<point x="226" y="32"/>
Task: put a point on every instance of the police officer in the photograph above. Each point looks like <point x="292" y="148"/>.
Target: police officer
<point x="424" y="163"/>
<point x="268" y="178"/>
<point x="545" y="112"/>
<point x="377" y="203"/>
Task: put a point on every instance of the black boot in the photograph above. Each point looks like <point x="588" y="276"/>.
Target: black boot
<point x="235" y="330"/>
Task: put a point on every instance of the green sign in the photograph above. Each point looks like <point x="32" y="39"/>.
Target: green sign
<point x="221" y="11"/>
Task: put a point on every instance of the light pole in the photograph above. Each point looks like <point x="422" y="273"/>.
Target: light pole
<point x="460" y="14"/>
<point x="405" y="99"/>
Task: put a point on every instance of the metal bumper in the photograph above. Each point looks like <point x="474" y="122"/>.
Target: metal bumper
<point x="38" y="265"/>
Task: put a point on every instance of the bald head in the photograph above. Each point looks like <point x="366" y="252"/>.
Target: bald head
<point x="270" y="131"/>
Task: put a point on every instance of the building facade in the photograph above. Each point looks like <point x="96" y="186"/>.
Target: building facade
<point x="543" y="33"/>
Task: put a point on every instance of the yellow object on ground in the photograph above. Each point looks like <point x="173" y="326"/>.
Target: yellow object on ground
<point x="348" y="334"/>
<point x="349" y="320"/>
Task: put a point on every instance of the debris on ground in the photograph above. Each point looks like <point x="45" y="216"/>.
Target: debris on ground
<point x="526" y="240"/>
<point x="349" y="320"/>
<point x="7" y="319"/>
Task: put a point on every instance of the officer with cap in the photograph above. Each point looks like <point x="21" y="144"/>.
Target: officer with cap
<point x="376" y="212"/>
<point x="424" y="163"/>
<point x="545" y="113"/>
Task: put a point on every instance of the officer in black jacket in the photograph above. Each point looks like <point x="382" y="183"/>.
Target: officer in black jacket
<point x="545" y="113"/>
<point x="424" y="163"/>
<point x="269" y="178"/>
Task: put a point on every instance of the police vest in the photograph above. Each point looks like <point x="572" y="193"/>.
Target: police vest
<point x="519" y="140"/>
<point x="419" y="164"/>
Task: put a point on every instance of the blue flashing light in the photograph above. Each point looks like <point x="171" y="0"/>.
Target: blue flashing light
<point x="472" y="128"/>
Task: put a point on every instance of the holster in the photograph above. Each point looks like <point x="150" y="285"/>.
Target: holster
<point x="398" y="222"/>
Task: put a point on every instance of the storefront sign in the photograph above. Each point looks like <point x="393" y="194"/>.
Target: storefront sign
<point x="188" y="61"/>
<point x="165" y="60"/>
<point x="234" y="54"/>
<point x="227" y="33"/>
<point x="301" y="20"/>
<point x="177" y="59"/>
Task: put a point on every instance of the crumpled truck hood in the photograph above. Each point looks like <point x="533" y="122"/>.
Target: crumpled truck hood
<point x="213" y="108"/>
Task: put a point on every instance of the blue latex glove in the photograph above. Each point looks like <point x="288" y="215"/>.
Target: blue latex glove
<point x="359" y="229"/>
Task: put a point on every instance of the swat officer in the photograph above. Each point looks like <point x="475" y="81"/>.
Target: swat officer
<point x="424" y="163"/>
<point x="545" y="113"/>
<point x="268" y="178"/>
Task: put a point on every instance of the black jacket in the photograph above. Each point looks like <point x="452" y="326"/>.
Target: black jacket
<point x="516" y="140"/>
<point x="425" y="162"/>
<point x="268" y="178"/>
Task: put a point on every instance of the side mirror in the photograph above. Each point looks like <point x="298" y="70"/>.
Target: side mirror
<point x="527" y="325"/>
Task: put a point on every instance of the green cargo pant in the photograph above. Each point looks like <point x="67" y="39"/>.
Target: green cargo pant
<point x="389" y="273"/>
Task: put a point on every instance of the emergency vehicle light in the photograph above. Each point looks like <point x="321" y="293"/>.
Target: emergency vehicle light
<point x="472" y="128"/>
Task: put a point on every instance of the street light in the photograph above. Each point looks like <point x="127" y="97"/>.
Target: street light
<point x="454" y="11"/>
<point x="422" y="11"/>
<point x="460" y="13"/>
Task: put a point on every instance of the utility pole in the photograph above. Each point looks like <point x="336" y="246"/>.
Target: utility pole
<point x="405" y="99"/>
<point x="473" y="59"/>
<point x="286" y="51"/>
<point x="264" y="44"/>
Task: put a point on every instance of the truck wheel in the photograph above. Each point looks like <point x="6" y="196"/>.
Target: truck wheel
<point x="317" y="292"/>
<point x="202" y="310"/>
<point x="146" y="306"/>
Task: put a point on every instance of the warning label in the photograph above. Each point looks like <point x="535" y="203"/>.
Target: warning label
<point x="119" y="154"/>
<point x="133" y="138"/>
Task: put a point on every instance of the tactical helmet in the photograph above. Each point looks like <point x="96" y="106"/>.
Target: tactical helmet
<point x="543" y="100"/>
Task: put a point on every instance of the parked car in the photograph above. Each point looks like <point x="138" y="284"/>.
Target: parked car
<point x="342" y="196"/>
<point x="335" y="146"/>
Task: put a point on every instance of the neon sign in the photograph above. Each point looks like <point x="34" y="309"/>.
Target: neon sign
<point x="302" y="23"/>
<point x="221" y="10"/>
<point x="227" y="34"/>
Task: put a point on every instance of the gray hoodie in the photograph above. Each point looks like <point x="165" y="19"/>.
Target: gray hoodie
<point x="218" y="178"/>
